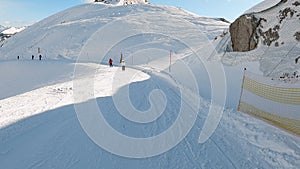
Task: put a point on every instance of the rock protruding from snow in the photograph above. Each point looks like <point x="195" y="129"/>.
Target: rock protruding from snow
<point x="278" y="36"/>
<point x="274" y="26"/>
<point x="243" y="33"/>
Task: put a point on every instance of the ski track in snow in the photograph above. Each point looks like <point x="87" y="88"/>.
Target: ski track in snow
<point x="44" y="123"/>
<point x="39" y="127"/>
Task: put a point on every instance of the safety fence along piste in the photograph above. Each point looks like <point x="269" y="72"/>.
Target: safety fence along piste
<point x="272" y="100"/>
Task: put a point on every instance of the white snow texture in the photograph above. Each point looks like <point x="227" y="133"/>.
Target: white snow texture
<point x="41" y="128"/>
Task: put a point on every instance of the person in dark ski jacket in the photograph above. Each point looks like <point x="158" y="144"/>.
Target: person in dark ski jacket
<point x="40" y="57"/>
<point x="32" y="57"/>
<point x="297" y="59"/>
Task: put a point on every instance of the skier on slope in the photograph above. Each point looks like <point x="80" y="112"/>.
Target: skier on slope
<point x="297" y="59"/>
<point x="110" y="62"/>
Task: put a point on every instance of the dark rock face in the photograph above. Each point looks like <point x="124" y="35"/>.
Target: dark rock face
<point x="243" y="33"/>
<point x="270" y="36"/>
<point x="283" y="14"/>
<point x="296" y="3"/>
<point x="297" y="35"/>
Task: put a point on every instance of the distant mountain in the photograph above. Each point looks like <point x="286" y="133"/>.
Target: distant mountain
<point x="6" y="33"/>
<point x="13" y="30"/>
<point x="123" y="2"/>
<point x="2" y="28"/>
<point x="269" y="33"/>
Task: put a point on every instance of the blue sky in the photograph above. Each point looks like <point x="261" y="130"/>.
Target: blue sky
<point x="27" y="12"/>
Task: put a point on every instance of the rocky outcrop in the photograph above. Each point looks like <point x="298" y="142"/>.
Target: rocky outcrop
<point x="297" y="36"/>
<point x="243" y="33"/>
<point x="272" y="32"/>
<point x="297" y="3"/>
<point x="250" y="29"/>
<point x="247" y="30"/>
<point x="270" y="36"/>
<point x="283" y="14"/>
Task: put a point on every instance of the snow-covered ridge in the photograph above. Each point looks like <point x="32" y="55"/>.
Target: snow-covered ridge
<point x="42" y="126"/>
<point x="123" y="2"/>
<point x="6" y="33"/>
<point x="65" y="33"/>
<point x="13" y="30"/>
<point x="2" y="28"/>
<point x="266" y="4"/>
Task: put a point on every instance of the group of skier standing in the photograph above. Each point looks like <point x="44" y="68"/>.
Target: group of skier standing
<point x="32" y="57"/>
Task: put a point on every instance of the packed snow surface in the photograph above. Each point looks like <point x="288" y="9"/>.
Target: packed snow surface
<point x="40" y="128"/>
<point x="266" y="4"/>
<point x="39" y="122"/>
<point x="123" y="2"/>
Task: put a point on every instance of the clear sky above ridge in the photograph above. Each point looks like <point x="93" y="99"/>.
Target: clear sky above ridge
<point x="27" y="12"/>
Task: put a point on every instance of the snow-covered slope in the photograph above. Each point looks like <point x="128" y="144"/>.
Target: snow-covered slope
<point x="40" y="119"/>
<point x="2" y="28"/>
<point x="264" y="5"/>
<point x="283" y="24"/>
<point x="123" y="2"/>
<point x="277" y="35"/>
<point x="40" y="128"/>
<point x="13" y="30"/>
<point x="70" y="29"/>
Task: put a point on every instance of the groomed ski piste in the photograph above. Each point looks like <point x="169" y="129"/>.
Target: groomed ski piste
<point x="41" y="127"/>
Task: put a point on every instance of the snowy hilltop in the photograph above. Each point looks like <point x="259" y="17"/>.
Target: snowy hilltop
<point x="2" y="36"/>
<point x="264" y="5"/>
<point x="64" y="34"/>
<point x="268" y="32"/>
<point x="123" y="2"/>
<point x="8" y="32"/>
<point x="134" y="87"/>
<point x="13" y="30"/>
<point x="2" y="28"/>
